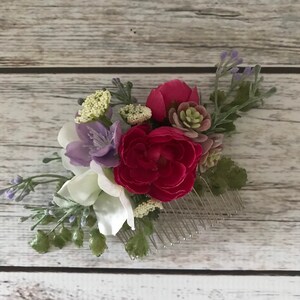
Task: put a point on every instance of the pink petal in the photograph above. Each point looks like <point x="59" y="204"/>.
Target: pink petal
<point x="194" y="96"/>
<point x="156" y="103"/>
<point x="175" y="91"/>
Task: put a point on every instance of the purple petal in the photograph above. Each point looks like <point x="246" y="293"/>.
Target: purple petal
<point x="117" y="133"/>
<point x="99" y="152"/>
<point x="84" y="129"/>
<point x="223" y="55"/>
<point x="111" y="160"/>
<point x="78" y="152"/>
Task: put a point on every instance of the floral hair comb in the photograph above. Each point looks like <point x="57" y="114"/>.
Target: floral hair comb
<point x="152" y="174"/>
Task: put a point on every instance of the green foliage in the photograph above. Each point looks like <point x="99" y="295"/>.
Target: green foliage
<point x="65" y="233"/>
<point x="226" y="175"/>
<point x="123" y="92"/>
<point x="154" y="215"/>
<point x="77" y="237"/>
<point x="139" y="198"/>
<point x="55" y="156"/>
<point x="40" y="242"/>
<point x="57" y="240"/>
<point x="221" y="97"/>
<point x="97" y="242"/>
<point x="244" y="93"/>
<point x="137" y="245"/>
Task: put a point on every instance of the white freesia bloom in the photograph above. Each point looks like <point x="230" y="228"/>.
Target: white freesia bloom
<point x="66" y="135"/>
<point x="95" y="186"/>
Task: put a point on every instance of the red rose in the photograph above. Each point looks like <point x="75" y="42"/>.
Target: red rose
<point x="165" y="95"/>
<point x="160" y="163"/>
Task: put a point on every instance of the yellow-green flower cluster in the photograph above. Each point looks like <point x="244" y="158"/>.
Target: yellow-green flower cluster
<point x="135" y="114"/>
<point x="94" y="107"/>
<point x="144" y="208"/>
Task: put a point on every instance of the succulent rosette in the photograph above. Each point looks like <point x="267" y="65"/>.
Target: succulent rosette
<point x="119" y="174"/>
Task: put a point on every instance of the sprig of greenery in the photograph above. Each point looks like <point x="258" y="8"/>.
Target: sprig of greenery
<point x="138" y="245"/>
<point x="19" y="190"/>
<point x="244" y="93"/>
<point x="123" y="92"/>
<point x="226" y="175"/>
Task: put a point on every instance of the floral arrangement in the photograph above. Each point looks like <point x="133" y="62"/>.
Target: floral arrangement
<point x="126" y="160"/>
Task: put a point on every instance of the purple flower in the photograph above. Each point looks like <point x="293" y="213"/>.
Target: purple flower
<point x="223" y="55"/>
<point x="248" y="71"/>
<point x="72" y="219"/>
<point x="18" y="179"/>
<point x="234" y="54"/>
<point x="234" y="70"/>
<point x="10" y="194"/>
<point x="96" y="143"/>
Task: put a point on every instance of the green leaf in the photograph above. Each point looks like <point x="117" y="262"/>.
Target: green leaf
<point x="226" y="127"/>
<point x="243" y="95"/>
<point x="137" y="245"/>
<point x="226" y="175"/>
<point x="154" y="215"/>
<point x="40" y="243"/>
<point x="57" y="240"/>
<point x="147" y="226"/>
<point x="65" y="233"/>
<point x="237" y="178"/>
<point x="221" y="97"/>
<point x="198" y="186"/>
<point x="97" y="242"/>
<point x="77" y="237"/>
<point x="91" y="221"/>
<point x="218" y="186"/>
<point x="47" y="220"/>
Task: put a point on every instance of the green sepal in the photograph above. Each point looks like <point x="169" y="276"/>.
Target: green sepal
<point x="57" y="240"/>
<point x="77" y="237"/>
<point x="40" y="242"/>
<point x="137" y="245"/>
<point x="97" y="242"/>
<point x="65" y="233"/>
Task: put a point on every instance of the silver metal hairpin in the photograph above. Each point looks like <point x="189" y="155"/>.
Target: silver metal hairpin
<point x="183" y="218"/>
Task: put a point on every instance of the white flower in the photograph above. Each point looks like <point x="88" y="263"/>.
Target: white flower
<point x="66" y="135"/>
<point x="94" y="186"/>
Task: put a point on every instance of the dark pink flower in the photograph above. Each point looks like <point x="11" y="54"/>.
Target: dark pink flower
<point x="169" y="94"/>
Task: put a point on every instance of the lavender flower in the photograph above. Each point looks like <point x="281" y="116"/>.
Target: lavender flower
<point x="96" y="143"/>
<point x="234" y="70"/>
<point x="223" y="55"/>
<point x="9" y="194"/>
<point x="234" y="54"/>
<point x="248" y="71"/>
<point x="72" y="219"/>
<point x="18" y="179"/>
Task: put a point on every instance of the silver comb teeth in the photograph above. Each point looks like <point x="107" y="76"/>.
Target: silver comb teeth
<point x="183" y="218"/>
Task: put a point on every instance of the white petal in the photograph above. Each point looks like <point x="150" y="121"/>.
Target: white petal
<point x="77" y="170"/>
<point x="67" y="134"/>
<point x="110" y="214"/>
<point x="106" y="180"/>
<point x="84" y="188"/>
<point x="64" y="192"/>
<point x="128" y="207"/>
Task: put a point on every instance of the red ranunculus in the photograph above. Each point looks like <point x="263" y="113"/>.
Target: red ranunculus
<point x="160" y="163"/>
<point x="164" y="96"/>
